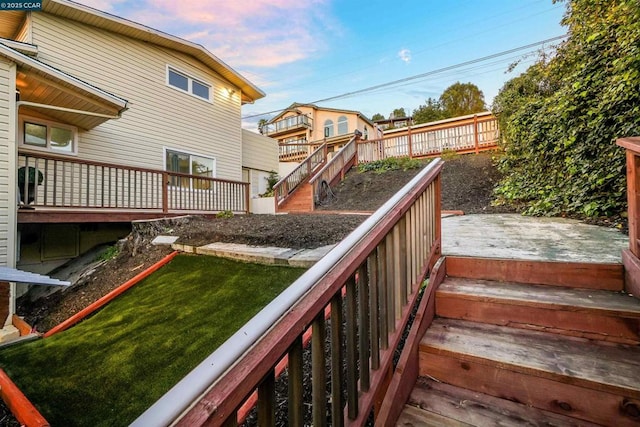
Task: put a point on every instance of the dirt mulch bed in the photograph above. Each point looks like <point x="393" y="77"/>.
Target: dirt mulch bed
<point x="467" y="185"/>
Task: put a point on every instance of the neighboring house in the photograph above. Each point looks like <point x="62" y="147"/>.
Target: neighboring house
<point x="394" y="122"/>
<point x="302" y="124"/>
<point x="104" y="121"/>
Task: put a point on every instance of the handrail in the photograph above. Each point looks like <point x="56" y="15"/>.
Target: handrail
<point x="283" y="188"/>
<point x="335" y="167"/>
<point x="296" y="151"/>
<point x="287" y="123"/>
<point x="381" y="265"/>
<point x="471" y="133"/>
<point x="54" y="181"/>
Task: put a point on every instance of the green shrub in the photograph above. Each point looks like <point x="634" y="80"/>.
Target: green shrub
<point x="224" y="214"/>
<point x="559" y="120"/>
<point x="391" y="164"/>
<point x="110" y="253"/>
<point x="272" y="180"/>
<point x="448" y="154"/>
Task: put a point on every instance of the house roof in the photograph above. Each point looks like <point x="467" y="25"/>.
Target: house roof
<point x="10" y="23"/>
<point x="64" y="96"/>
<point x="295" y="108"/>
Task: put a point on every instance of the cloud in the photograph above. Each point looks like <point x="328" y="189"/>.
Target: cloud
<point x="261" y="33"/>
<point x="404" y="55"/>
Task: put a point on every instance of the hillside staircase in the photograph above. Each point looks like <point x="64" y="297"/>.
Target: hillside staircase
<point x="529" y="343"/>
<point x="299" y="191"/>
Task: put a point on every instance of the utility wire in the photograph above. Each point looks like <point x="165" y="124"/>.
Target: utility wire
<point x="419" y="76"/>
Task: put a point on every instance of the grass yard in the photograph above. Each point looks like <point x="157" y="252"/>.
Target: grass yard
<point x="108" y="369"/>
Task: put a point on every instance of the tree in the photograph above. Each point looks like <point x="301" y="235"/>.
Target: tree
<point x="429" y="112"/>
<point x="560" y="118"/>
<point x="461" y="99"/>
<point x="261" y="124"/>
<point x="398" y="112"/>
<point x="376" y="117"/>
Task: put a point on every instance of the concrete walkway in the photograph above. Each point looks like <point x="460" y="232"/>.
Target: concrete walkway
<point x="519" y="237"/>
<point x="510" y="236"/>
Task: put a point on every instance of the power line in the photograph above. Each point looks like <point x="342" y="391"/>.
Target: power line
<point x="423" y="75"/>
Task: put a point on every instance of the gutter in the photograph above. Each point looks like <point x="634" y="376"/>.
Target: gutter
<point x="66" y="110"/>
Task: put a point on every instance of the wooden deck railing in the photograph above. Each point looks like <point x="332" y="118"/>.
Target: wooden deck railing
<point x="296" y="152"/>
<point x="50" y="181"/>
<point x="631" y="256"/>
<point x="369" y="282"/>
<point x="465" y="134"/>
<point x="336" y="167"/>
<point x="283" y="188"/>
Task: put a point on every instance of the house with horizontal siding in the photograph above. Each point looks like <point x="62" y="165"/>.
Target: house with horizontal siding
<point x="104" y="121"/>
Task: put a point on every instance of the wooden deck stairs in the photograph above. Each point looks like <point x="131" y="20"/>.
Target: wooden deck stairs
<point x="529" y="343"/>
<point x="300" y="200"/>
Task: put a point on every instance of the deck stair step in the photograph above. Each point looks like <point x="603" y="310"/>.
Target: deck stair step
<point x="594" y="381"/>
<point x="437" y="404"/>
<point x="588" y="313"/>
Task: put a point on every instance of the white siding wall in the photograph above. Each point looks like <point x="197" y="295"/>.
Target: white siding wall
<point x="7" y="164"/>
<point x="259" y="151"/>
<point x="158" y="116"/>
<point x="259" y="157"/>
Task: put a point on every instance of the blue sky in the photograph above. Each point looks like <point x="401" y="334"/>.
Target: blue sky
<point x="309" y="50"/>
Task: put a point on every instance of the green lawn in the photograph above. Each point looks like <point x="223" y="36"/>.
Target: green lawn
<point x="108" y="369"/>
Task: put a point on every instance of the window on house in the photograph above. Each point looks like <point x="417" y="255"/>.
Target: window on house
<point x="328" y="128"/>
<point x="365" y="134"/>
<point x="343" y="125"/>
<point x="188" y="84"/>
<point x="190" y="164"/>
<point x="47" y="135"/>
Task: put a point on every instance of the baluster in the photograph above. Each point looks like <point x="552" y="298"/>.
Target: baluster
<point x="390" y="287"/>
<point x="267" y="401"/>
<point x="363" y="324"/>
<point x="319" y="373"/>
<point x="374" y="314"/>
<point x="337" y="400"/>
<point x="382" y="294"/>
<point x="296" y="375"/>
<point x="352" y="353"/>
<point x="402" y="255"/>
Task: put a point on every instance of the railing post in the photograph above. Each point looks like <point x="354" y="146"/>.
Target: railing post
<point x="247" y="199"/>
<point x="165" y="192"/>
<point x="410" y="142"/>
<point x="632" y="146"/>
<point x="475" y="132"/>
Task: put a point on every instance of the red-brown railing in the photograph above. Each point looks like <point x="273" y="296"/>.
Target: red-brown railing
<point x="631" y="256"/>
<point x="370" y="282"/>
<point x="51" y="181"/>
<point x="336" y="167"/>
<point x="283" y="188"/>
<point x="464" y="134"/>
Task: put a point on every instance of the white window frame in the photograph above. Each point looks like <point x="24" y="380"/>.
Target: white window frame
<point x="343" y="125"/>
<point x="329" y="130"/>
<point x="49" y="124"/>
<point x="189" y="153"/>
<point x="190" y="80"/>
